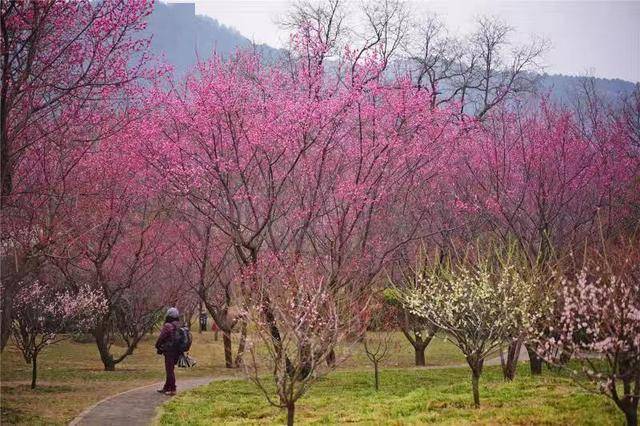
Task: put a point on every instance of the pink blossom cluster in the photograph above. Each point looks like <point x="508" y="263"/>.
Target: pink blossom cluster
<point x="598" y="325"/>
<point x="599" y="320"/>
<point x="48" y="312"/>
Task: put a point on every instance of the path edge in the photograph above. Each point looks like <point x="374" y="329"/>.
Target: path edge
<point x="87" y="410"/>
<point x="155" y="420"/>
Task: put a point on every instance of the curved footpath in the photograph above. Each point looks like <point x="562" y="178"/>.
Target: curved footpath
<point x="137" y="407"/>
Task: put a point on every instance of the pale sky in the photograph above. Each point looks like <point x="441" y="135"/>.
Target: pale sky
<point x="600" y="38"/>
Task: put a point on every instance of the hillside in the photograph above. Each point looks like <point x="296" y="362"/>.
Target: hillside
<point x="181" y="36"/>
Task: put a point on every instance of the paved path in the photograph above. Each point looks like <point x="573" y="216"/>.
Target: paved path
<point x="524" y="356"/>
<point x="135" y="407"/>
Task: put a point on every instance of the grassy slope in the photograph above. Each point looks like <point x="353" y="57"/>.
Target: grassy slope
<point x="71" y="376"/>
<point x="409" y="396"/>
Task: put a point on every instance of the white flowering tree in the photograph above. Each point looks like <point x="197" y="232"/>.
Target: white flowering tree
<point x="45" y="316"/>
<point x="598" y="325"/>
<point x="480" y="303"/>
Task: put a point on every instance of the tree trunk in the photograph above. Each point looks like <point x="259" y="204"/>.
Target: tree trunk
<point x="632" y="417"/>
<point x="291" y="410"/>
<point x="5" y="328"/>
<point x="510" y="366"/>
<point x="629" y="403"/>
<point x="109" y="365"/>
<point x="475" y="384"/>
<point x="419" y="354"/>
<point x="476" y="370"/>
<point x="377" y="375"/>
<point x="8" y="291"/>
<point x="306" y="362"/>
<point x="275" y="335"/>
<point x="535" y="362"/>
<point x="331" y="358"/>
<point x="34" y="370"/>
<point x="419" y="343"/>
<point x="228" y="356"/>
<point x="102" y="341"/>
<point x="241" y="344"/>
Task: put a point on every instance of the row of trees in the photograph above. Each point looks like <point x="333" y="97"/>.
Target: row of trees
<point x="76" y="214"/>
<point x="285" y="192"/>
<point x="585" y="309"/>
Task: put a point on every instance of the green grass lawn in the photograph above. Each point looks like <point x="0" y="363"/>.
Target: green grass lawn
<point x="71" y="376"/>
<point x="409" y="396"/>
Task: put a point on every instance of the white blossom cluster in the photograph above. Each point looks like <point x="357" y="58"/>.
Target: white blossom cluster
<point x="479" y="306"/>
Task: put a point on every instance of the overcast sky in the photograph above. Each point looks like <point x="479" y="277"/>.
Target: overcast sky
<point x="600" y="38"/>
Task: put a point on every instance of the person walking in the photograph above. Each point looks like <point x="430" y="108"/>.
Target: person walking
<point x="166" y="346"/>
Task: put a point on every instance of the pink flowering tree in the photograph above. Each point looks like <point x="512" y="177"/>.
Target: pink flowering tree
<point x="116" y="241"/>
<point x="45" y="315"/>
<point x="60" y="60"/>
<point x="64" y="65"/>
<point x="533" y="176"/>
<point x="539" y="180"/>
<point x="631" y="115"/>
<point x="630" y="123"/>
<point x="598" y="325"/>
<point x="291" y="158"/>
<point x="206" y="265"/>
<point x="312" y="320"/>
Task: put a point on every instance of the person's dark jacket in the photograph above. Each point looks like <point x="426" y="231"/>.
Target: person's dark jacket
<point x="164" y="344"/>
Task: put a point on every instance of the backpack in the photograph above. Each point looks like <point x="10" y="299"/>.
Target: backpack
<point x="182" y="339"/>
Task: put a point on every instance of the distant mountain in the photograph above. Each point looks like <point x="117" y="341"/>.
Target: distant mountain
<point x="181" y="36"/>
<point x="563" y="88"/>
